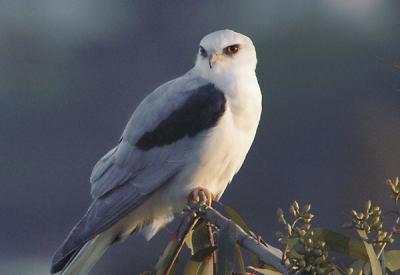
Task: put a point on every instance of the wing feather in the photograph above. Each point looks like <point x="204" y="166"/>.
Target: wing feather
<point x="160" y="120"/>
<point x="129" y="173"/>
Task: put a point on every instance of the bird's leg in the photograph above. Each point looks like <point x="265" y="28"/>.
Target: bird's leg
<point x="201" y="195"/>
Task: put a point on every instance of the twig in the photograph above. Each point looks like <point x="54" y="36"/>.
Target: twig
<point x="183" y="231"/>
<point x="394" y="231"/>
<point x="268" y="254"/>
<point x="212" y="244"/>
<point x="284" y="256"/>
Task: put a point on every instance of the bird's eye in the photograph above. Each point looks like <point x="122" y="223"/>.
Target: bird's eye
<point x="232" y="49"/>
<point x="202" y="52"/>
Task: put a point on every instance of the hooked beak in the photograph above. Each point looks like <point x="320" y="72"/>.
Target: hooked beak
<point x="213" y="59"/>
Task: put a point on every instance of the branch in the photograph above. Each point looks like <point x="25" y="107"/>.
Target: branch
<point x="185" y="227"/>
<point x="268" y="254"/>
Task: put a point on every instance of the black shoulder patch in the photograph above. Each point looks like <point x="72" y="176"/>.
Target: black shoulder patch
<point x="201" y="111"/>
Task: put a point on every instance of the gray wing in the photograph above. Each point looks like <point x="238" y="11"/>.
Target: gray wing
<point x="159" y="136"/>
<point x="157" y="142"/>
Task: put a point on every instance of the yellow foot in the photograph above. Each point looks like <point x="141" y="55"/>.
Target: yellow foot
<point x="201" y="195"/>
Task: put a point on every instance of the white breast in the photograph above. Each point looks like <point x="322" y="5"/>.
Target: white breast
<point x="226" y="147"/>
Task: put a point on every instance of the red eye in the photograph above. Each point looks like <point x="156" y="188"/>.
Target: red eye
<point x="232" y="49"/>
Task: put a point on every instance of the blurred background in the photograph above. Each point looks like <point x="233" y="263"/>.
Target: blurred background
<point x="72" y="72"/>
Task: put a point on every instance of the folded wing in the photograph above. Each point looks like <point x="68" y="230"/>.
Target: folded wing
<point x="157" y="143"/>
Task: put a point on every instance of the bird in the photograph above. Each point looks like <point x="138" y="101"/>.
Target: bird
<point x="190" y="135"/>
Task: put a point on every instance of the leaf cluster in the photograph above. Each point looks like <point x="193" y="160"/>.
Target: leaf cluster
<point x="305" y="253"/>
<point x="307" y="249"/>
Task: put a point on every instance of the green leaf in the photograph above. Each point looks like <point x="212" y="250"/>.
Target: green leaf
<point x="206" y="267"/>
<point x="188" y="241"/>
<point x="226" y="249"/>
<point x="200" y="255"/>
<point x="373" y="259"/>
<point x="360" y="267"/>
<point x="290" y="242"/>
<point x="192" y="268"/>
<point x="146" y="273"/>
<point x="392" y="258"/>
<point x="236" y="218"/>
<point x="199" y="268"/>
<point x="340" y="243"/>
<point x="382" y="262"/>
<point x="165" y="258"/>
<point x="200" y="238"/>
<point x="255" y="259"/>
<point x="239" y="258"/>
<point x="294" y="246"/>
<point x="367" y="268"/>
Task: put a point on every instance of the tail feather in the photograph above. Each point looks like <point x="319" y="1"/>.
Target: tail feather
<point x="83" y="260"/>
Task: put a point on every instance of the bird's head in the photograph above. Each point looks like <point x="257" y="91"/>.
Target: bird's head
<point x="226" y="51"/>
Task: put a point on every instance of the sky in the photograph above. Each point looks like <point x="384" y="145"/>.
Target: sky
<point x="72" y="73"/>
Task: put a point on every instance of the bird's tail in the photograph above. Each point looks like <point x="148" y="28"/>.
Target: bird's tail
<point x="89" y="254"/>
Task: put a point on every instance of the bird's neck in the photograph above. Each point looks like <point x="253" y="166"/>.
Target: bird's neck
<point x="244" y="97"/>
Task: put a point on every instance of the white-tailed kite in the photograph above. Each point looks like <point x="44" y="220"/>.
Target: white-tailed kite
<point x="192" y="133"/>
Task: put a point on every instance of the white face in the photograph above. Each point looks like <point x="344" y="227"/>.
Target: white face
<point x="226" y="51"/>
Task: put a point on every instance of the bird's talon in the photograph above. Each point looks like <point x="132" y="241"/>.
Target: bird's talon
<point x="201" y="196"/>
